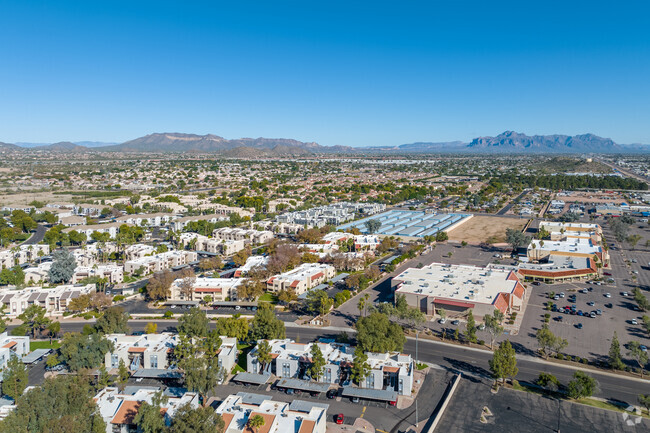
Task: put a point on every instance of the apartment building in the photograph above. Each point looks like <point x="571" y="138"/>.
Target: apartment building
<point x="22" y="254"/>
<point x="11" y="345"/>
<point x="38" y="274"/>
<point x="334" y="214"/>
<point x="160" y="262"/>
<point x="112" y="273"/>
<point x="138" y="251"/>
<point x="55" y="301"/>
<point x="111" y="228"/>
<point x="238" y="234"/>
<point x="301" y="279"/>
<point x="221" y="289"/>
<point x="152" y="351"/>
<point x="459" y="288"/>
<point x="252" y="262"/>
<point x="279" y="417"/>
<point x="90" y="210"/>
<point x="72" y="221"/>
<point x="215" y="246"/>
<point x="120" y="409"/>
<point x="157" y="219"/>
<point x="180" y="223"/>
<point x="391" y="370"/>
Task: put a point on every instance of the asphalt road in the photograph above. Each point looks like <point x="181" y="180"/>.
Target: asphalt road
<point x="37" y="236"/>
<point x="454" y="358"/>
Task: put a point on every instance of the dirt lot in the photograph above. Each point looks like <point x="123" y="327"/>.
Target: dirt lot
<point x="592" y="197"/>
<point x="483" y="228"/>
<point x="25" y="198"/>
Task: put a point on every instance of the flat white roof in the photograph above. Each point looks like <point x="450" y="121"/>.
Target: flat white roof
<point x="457" y="282"/>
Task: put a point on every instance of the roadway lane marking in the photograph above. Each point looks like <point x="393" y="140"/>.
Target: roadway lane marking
<point x="380" y="430"/>
<point x="363" y="412"/>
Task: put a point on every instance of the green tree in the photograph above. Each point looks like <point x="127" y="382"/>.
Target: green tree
<point x="318" y="302"/>
<point x="14" y="377"/>
<point x="516" y="238"/>
<point x="582" y="386"/>
<point x="360" y="367"/>
<point x="103" y="378"/>
<point x="376" y="333"/>
<point x="151" y="328"/>
<point x="34" y="319"/>
<point x="471" y="327"/>
<point x="61" y="404"/>
<point x="442" y="236"/>
<point x="493" y="327"/>
<point x="114" y="321"/>
<point x="149" y="418"/>
<point x="317" y="362"/>
<point x="266" y="325"/>
<point x="122" y="373"/>
<point x="615" y="359"/>
<point x="193" y="323"/>
<point x="53" y="329"/>
<point x="80" y="351"/>
<point x="255" y="422"/>
<point x="263" y="354"/>
<point x="549" y="342"/>
<point x="641" y="300"/>
<point x="503" y="364"/>
<point x="638" y="354"/>
<point x="233" y="327"/>
<point x="202" y="419"/>
<point x="644" y="400"/>
<point x="548" y="382"/>
<point x="372" y="225"/>
<point x="63" y="266"/>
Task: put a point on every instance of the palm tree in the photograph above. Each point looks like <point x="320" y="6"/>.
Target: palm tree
<point x="255" y="422"/>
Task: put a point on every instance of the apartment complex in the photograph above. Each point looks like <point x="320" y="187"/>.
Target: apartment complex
<point x="279" y="417"/>
<point x="160" y="262"/>
<point x="333" y="214"/>
<point x="55" y="301"/>
<point x="152" y="351"/>
<point x="388" y="371"/>
<point x="22" y="254"/>
<point x="111" y="228"/>
<point x="251" y="263"/>
<point x="237" y="234"/>
<point x="220" y="289"/>
<point x="180" y="223"/>
<point x="11" y="345"/>
<point x="215" y="246"/>
<point x="158" y="219"/>
<point x="301" y="279"/>
<point x="459" y="288"/>
<point x="119" y="409"/>
<point x="114" y="274"/>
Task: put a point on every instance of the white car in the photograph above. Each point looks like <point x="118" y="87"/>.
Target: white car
<point x="607" y="295"/>
<point x="634" y="322"/>
<point x="442" y="321"/>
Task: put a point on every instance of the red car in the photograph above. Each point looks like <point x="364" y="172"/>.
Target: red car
<point x="607" y="273"/>
<point x="339" y="418"/>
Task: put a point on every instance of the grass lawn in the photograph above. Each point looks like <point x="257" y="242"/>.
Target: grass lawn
<point x="241" y="359"/>
<point x="269" y="297"/>
<point x="33" y="345"/>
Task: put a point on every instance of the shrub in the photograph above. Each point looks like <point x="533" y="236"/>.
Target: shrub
<point x="168" y="314"/>
<point x="119" y="298"/>
<point x="481" y="342"/>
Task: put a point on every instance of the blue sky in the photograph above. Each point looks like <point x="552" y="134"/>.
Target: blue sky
<point x="339" y="73"/>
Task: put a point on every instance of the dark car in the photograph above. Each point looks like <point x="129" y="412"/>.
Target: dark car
<point x="607" y="273"/>
<point x="536" y="283"/>
<point x="332" y="393"/>
<point x="579" y="326"/>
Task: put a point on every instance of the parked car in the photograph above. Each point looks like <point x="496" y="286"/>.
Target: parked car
<point x="634" y="322"/>
<point x="591" y="303"/>
<point x="561" y="294"/>
<point x="442" y="321"/>
<point x="339" y="418"/>
<point x="592" y="314"/>
<point x="354" y="399"/>
<point x="609" y="274"/>
<point x="455" y="322"/>
<point x="624" y="294"/>
<point x="536" y="283"/>
<point x="609" y="305"/>
<point x="579" y="326"/>
<point x="608" y="295"/>
<point x="643" y="348"/>
<point x="332" y="393"/>
<point x="599" y="311"/>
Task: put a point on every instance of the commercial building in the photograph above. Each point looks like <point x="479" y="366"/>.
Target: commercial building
<point x="279" y="417"/>
<point x="160" y="262"/>
<point x="387" y="371"/>
<point x="220" y="289"/>
<point x="11" y="345"/>
<point x="408" y="223"/>
<point x="120" y="409"/>
<point x="55" y="301"/>
<point x="459" y="288"/>
<point x="301" y="279"/>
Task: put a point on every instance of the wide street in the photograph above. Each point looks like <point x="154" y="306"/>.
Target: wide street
<point x="452" y="357"/>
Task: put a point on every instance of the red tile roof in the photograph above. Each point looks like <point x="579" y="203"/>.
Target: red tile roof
<point x="126" y="413"/>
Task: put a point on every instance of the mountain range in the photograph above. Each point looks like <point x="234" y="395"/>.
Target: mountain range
<point x="507" y="142"/>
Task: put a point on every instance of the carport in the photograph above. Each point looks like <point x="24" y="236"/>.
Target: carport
<point x="252" y="378"/>
<point x="384" y="395"/>
<point x="35" y="356"/>
<point x="303" y="385"/>
<point x="156" y="373"/>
